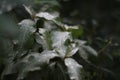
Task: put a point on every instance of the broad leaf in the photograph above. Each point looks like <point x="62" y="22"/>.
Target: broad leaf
<point x="26" y="38"/>
<point x="58" y="39"/>
<point x="73" y="69"/>
<point x="44" y="38"/>
<point x="34" y="61"/>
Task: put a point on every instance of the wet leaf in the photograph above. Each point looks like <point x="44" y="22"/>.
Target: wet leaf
<point x="73" y="69"/>
<point x="34" y="61"/>
<point x="58" y="39"/>
<point x="26" y="39"/>
<point x="45" y="15"/>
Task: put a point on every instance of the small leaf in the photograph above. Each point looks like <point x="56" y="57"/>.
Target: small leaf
<point x="29" y="10"/>
<point x="83" y="53"/>
<point x="70" y="27"/>
<point x="90" y="50"/>
<point x="73" y="51"/>
<point x="41" y="41"/>
<point x="58" y="23"/>
<point x="79" y="42"/>
<point x="73" y="69"/>
<point x="75" y="30"/>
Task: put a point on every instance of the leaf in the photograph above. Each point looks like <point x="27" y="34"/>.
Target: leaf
<point x="44" y="39"/>
<point x="45" y="15"/>
<point x="90" y="50"/>
<point x="27" y="23"/>
<point x="41" y="41"/>
<point x="49" y="25"/>
<point x="26" y="38"/>
<point x="79" y="42"/>
<point x="48" y="40"/>
<point x="58" y="39"/>
<point x="28" y="9"/>
<point x="85" y="51"/>
<point x="34" y="61"/>
<point x="76" y="31"/>
<point x="73" y="51"/>
<point x="81" y="51"/>
<point x="73" y="69"/>
<point x="60" y="24"/>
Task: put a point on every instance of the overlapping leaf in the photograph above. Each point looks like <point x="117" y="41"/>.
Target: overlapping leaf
<point x="59" y="38"/>
<point x="34" y="61"/>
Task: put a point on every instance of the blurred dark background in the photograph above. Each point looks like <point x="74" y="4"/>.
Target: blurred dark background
<point x="101" y="22"/>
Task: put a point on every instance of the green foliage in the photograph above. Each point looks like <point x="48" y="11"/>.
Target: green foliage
<point x="43" y="47"/>
<point x="50" y="47"/>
